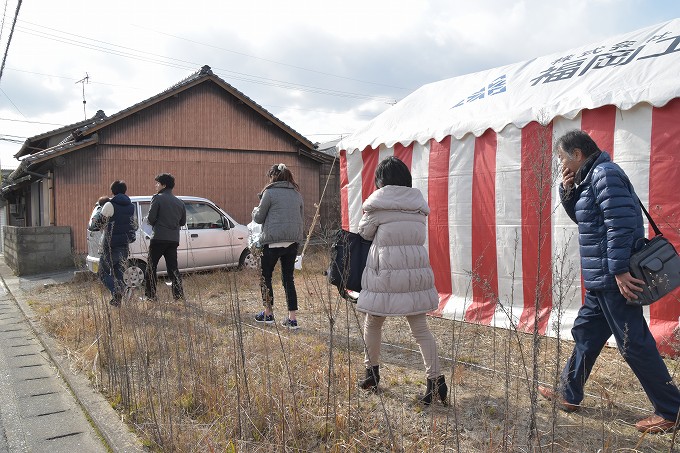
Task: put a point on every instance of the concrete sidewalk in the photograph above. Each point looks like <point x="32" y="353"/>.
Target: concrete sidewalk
<point x="44" y="406"/>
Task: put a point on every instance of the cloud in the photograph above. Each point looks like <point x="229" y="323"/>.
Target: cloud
<point x="322" y="67"/>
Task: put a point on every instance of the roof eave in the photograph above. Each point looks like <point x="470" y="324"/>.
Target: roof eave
<point x="50" y="153"/>
<point x="25" y="148"/>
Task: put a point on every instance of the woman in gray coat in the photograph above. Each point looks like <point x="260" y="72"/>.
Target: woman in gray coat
<point x="281" y="214"/>
<point x="398" y="279"/>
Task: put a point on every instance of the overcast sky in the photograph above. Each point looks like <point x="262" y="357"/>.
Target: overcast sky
<point x="324" y="68"/>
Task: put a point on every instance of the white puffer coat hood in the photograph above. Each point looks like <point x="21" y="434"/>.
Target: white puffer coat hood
<point x="398" y="279"/>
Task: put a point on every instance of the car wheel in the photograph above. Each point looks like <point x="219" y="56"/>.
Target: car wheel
<point x="248" y="260"/>
<point x="134" y="274"/>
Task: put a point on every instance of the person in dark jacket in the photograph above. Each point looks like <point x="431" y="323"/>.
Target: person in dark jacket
<point x="167" y="214"/>
<point x="281" y="213"/>
<point x="117" y="219"/>
<point x="598" y="196"/>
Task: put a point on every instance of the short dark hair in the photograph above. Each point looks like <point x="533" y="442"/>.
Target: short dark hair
<point x="103" y="200"/>
<point x="166" y="179"/>
<point x="577" y="139"/>
<point x="392" y="172"/>
<point x="118" y="186"/>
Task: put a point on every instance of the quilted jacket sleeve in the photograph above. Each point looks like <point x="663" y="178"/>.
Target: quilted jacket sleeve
<point x="615" y="199"/>
<point x="367" y="226"/>
<point x="260" y="212"/>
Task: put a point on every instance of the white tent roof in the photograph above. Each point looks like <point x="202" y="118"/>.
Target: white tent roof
<point x="641" y="66"/>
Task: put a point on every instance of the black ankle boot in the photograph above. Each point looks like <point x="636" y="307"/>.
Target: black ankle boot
<point x="437" y="387"/>
<point x="372" y="378"/>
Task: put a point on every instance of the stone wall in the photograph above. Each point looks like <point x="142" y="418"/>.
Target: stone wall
<point x="35" y="250"/>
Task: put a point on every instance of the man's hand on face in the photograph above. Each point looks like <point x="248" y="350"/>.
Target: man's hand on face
<point x="567" y="178"/>
<point x="629" y="285"/>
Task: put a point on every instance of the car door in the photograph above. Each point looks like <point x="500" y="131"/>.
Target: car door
<point x="208" y="243"/>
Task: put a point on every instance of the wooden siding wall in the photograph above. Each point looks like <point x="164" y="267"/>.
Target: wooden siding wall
<point x="214" y="145"/>
<point x="203" y="117"/>
<point x="329" y="213"/>
<point x="230" y="179"/>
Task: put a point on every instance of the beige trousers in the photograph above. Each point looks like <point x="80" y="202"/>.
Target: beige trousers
<point x="421" y="333"/>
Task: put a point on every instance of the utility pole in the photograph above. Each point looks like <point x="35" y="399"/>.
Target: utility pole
<point x="84" y="80"/>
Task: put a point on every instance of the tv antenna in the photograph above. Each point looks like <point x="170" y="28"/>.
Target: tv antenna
<point x="84" y="80"/>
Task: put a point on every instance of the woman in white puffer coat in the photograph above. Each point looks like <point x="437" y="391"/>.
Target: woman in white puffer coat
<point x="398" y="279"/>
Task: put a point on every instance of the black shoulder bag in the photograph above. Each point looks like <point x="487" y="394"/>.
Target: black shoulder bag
<point x="349" y="253"/>
<point x="655" y="262"/>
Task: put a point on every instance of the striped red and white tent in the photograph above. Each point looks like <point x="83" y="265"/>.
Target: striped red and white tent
<point x="480" y="148"/>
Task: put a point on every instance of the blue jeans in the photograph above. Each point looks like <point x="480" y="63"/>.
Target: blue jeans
<point x="111" y="267"/>
<point x="269" y="258"/>
<point x="605" y="313"/>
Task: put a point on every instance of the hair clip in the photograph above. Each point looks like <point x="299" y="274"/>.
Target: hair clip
<point x="281" y="167"/>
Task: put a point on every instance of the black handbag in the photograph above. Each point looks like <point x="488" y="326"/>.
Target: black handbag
<point x="349" y="252"/>
<point x="655" y="262"/>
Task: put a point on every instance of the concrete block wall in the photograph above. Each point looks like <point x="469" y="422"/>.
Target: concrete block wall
<point x="36" y="250"/>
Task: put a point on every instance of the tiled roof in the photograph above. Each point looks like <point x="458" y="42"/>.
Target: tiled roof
<point x="98" y="117"/>
<point x="204" y="73"/>
<point x="80" y="135"/>
<point x="49" y="153"/>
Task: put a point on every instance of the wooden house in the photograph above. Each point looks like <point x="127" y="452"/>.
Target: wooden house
<point x="215" y="140"/>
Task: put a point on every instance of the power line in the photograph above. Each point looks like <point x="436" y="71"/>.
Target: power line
<point x="31" y="122"/>
<point x="70" y="78"/>
<point x="9" y="40"/>
<point x="315" y="111"/>
<point x="11" y="140"/>
<point x="137" y="88"/>
<point x="339" y="134"/>
<point x="12" y="102"/>
<point x="127" y="52"/>
<point x="4" y="14"/>
<point x="139" y="55"/>
<point x="213" y="47"/>
<point x="272" y="61"/>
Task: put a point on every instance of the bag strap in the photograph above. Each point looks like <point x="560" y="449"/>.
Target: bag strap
<point x="657" y="231"/>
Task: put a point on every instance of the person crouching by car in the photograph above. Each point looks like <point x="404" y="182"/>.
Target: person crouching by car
<point x="117" y="218"/>
<point x="281" y="213"/>
<point x="97" y="221"/>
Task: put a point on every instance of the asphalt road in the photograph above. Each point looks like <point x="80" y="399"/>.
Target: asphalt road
<point x="44" y="406"/>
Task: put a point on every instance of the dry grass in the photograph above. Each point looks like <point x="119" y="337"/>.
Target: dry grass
<point x="203" y="376"/>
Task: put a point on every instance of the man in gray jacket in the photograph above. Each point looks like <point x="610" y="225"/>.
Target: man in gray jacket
<point x="167" y="215"/>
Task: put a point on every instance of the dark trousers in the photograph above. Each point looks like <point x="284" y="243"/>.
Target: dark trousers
<point x="168" y="250"/>
<point x="111" y="268"/>
<point x="269" y="258"/>
<point x="605" y="313"/>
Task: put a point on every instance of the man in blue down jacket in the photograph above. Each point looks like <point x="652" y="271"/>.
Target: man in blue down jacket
<point x="599" y="197"/>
